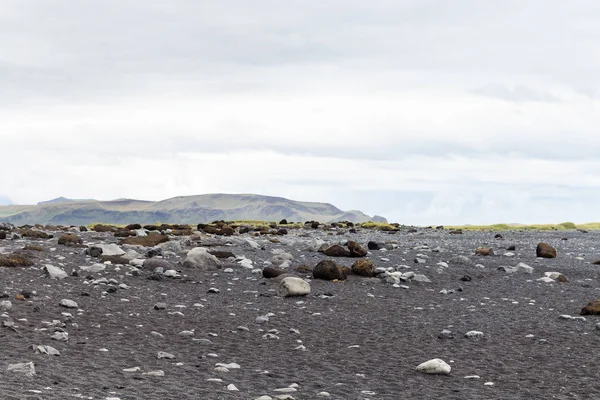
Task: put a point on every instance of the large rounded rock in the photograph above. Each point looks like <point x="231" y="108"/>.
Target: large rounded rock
<point x="69" y="239"/>
<point x="201" y="259"/>
<point x="329" y="271"/>
<point x="336" y="251"/>
<point x="434" y="367"/>
<point x="356" y="250"/>
<point x="364" y="267"/>
<point x="545" y="250"/>
<point x="372" y="245"/>
<point x="593" y="308"/>
<point x="293" y="286"/>
<point x="484" y="251"/>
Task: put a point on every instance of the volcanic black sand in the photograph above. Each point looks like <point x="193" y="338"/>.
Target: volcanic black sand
<point x="363" y="337"/>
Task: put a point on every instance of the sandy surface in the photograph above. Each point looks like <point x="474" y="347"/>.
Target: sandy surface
<point x="396" y="329"/>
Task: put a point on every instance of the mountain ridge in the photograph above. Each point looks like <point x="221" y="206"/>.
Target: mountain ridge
<point x="180" y="209"/>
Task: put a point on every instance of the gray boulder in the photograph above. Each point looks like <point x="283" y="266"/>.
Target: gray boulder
<point x="201" y="259"/>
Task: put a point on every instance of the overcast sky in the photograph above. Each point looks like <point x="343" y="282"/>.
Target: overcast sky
<point x="423" y="111"/>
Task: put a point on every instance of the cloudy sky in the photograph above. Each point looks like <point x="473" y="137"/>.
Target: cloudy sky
<point x="423" y="111"/>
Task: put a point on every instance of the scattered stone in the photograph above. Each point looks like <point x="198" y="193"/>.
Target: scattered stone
<point x="292" y="286"/>
<point x="328" y="270"/>
<point x="70" y="239"/>
<point x="592" y="308"/>
<point x="68" y="303"/>
<point x="27" y="369"/>
<point x="364" y="267"/>
<point x="55" y="272"/>
<point x="199" y="258"/>
<point x="544" y="250"/>
<point x="434" y="367"/>
<point x="484" y="251"/>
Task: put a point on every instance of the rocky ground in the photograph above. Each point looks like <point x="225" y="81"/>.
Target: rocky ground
<point x="85" y="319"/>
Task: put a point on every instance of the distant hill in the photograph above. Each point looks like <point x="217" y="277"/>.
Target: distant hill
<point x="183" y="209"/>
<point x="63" y="200"/>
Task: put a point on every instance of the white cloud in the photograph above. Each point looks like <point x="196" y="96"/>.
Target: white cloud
<point x="446" y="113"/>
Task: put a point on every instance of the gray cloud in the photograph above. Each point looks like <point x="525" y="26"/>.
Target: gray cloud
<point x="516" y="94"/>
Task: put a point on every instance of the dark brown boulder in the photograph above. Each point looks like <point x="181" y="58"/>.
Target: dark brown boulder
<point x="15" y="260"/>
<point x="33" y="247"/>
<point x="593" y="308"/>
<point x="314" y="225"/>
<point x="124" y="233"/>
<point x="271" y="272"/>
<point x="364" y="267"/>
<point x="356" y="250"/>
<point x="305" y="269"/>
<point x="226" y="230"/>
<point x="212" y="230"/>
<point x="244" y="229"/>
<point x="328" y="270"/>
<point x="35" y="234"/>
<point x="147" y="241"/>
<point x="2" y="235"/>
<point x="544" y="250"/>
<point x="336" y="251"/>
<point x="181" y="232"/>
<point x="104" y="228"/>
<point x="282" y="231"/>
<point x="132" y="227"/>
<point x="484" y="251"/>
<point x="69" y="239"/>
<point x="83" y="228"/>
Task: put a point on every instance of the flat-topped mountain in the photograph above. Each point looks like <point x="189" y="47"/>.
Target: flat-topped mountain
<point x="181" y="209"/>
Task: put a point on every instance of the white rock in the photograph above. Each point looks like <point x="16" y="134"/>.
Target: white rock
<point x="292" y="286"/>
<point x="155" y="373"/>
<point x="434" y="366"/>
<point x="5" y="305"/>
<point x="546" y="279"/>
<point x="232" y="388"/>
<point x="51" y="351"/>
<point x="474" y="334"/>
<point x="93" y="268"/>
<point x="171" y="273"/>
<point x="28" y="369"/>
<point x="109" y="249"/>
<point x="253" y="244"/>
<point x="55" y="272"/>
<point x="67" y="303"/>
<point x="228" y="366"/>
<point x="522" y="267"/>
